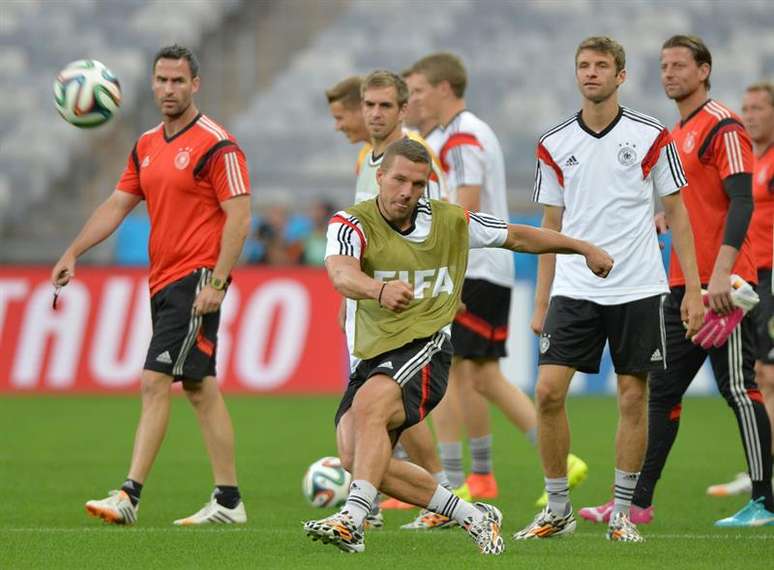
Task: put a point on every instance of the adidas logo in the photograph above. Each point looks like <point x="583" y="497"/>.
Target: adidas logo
<point x="164" y="358"/>
<point x="572" y="161"/>
<point x="387" y="364"/>
<point x="656" y="356"/>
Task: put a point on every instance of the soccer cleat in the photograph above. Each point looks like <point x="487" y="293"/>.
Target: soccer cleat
<point x="602" y="513"/>
<point x="339" y="530"/>
<point x="622" y="529"/>
<point x="486" y="533"/>
<point x="463" y="492"/>
<point x="577" y="471"/>
<point x="117" y="508"/>
<point x="213" y="512"/>
<point x="392" y="503"/>
<point x="428" y="520"/>
<point x="374" y="520"/>
<point x="482" y="485"/>
<point x="741" y="484"/>
<point x="753" y="514"/>
<point x="547" y="525"/>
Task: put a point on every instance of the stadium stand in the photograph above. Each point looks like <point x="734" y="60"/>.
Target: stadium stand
<point x="519" y="57"/>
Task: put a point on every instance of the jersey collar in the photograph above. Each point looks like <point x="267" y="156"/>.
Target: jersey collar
<point x="181" y="131"/>
<point x="408" y="230"/>
<point x="694" y="113"/>
<point x="604" y="131"/>
<point x="446" y="126"/>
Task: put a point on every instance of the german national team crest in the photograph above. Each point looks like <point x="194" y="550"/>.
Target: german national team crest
<point x="690" y="142"/>
<point x="145" y="162"/>
<point x="545" y="343"/>
<point x="183" y="158"/>
<point x="762" y="176"/>
<point x="627" y="154"/>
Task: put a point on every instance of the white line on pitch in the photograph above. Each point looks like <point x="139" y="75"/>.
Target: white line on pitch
<point x="656" y="536"/>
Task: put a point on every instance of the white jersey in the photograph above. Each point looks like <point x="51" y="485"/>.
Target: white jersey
<point x="605" y="182"/>
<point x="346" y="236"/>
<point x="470" y="155"/>
<point x="367" y="188"/>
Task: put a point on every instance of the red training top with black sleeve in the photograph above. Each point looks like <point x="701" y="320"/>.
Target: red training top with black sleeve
<point x="184" y="179"/>
<point x="763" y="215"/>
<point x="713" y="145"/>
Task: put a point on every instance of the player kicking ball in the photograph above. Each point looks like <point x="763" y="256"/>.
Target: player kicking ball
<point x="402" y="258"/>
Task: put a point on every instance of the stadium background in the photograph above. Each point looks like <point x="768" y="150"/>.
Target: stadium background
<point x="264" y="68"/>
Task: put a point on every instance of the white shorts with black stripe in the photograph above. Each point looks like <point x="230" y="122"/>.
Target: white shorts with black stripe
<point x="421" y="369"/>
<point x="183" y="344"/>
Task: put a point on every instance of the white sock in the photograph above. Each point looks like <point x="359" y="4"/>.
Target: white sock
<point x="360" y="501"/>
<point x="446" y="503"/>
<point x="625" y="483"/>
<point x="558" y="490"/>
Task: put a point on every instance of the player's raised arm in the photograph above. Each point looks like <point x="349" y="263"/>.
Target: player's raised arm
<point x="102" y="223"/>
<point x="541" y="240"/>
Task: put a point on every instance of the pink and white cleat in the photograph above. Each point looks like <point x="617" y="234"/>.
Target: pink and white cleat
<point x="601" y="513"/>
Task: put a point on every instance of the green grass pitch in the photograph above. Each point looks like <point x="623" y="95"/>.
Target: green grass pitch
<point x="58" y="452"/>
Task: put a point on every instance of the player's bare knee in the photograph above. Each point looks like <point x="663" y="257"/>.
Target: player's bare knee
<point x="549" y="398"/>
<point x="633" y="399"/>
<point x="195" y="393"/>
<point x="154" y="387"/>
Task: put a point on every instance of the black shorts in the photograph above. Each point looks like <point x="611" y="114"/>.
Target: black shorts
<point x="421" y="369"/>
<point x="763" y="317"/>
<point x="183" y="345"/>
<point x="575" y="332"/>
<point x="482" y="329"/>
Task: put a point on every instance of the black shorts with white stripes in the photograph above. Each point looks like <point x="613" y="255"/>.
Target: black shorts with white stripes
<point x="421" y="369"/>
<point x="183" y="345"/>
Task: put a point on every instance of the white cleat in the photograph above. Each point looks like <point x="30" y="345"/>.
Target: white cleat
<point x="740" y="485"/>
<point x="117" y="508"/>
<point x="213" y="512"/>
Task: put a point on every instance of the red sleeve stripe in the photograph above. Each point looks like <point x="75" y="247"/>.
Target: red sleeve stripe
<point x="545" y="157"/>
<point x="236" y="183"/>
<point x="455" y="140"/>
<point x="733" y="152"/>
<point x="339" y="220"/>
<point x="651" y="158"/>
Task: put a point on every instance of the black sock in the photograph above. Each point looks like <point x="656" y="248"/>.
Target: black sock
<point x="133" y="489"/>
<point x="227" y="496"/>
<point x="663" y="423"/>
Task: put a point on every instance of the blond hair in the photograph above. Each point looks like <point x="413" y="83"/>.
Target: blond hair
<point x="443" y="66"/>
<point x="346" y="91"/>
<point x="383" y="78"/>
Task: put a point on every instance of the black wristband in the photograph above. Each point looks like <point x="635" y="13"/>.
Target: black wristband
<point x="379" y="298"/>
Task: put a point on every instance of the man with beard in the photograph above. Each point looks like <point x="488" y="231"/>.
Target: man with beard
<point x="194" y="178"/>
<point x="596" y="176"/>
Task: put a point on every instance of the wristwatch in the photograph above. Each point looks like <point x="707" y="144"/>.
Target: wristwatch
<point x="218" y="284"/>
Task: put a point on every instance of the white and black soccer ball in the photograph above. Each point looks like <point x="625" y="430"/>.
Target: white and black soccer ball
<point x="326" y="483"/>
<point x="86" y="93"/>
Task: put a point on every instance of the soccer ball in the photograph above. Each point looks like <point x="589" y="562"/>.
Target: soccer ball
<point x="326" y="483"/>
<point x="86" y="93"/>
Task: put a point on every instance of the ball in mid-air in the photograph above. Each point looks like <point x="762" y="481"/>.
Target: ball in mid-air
<point x="86" y="93"/>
